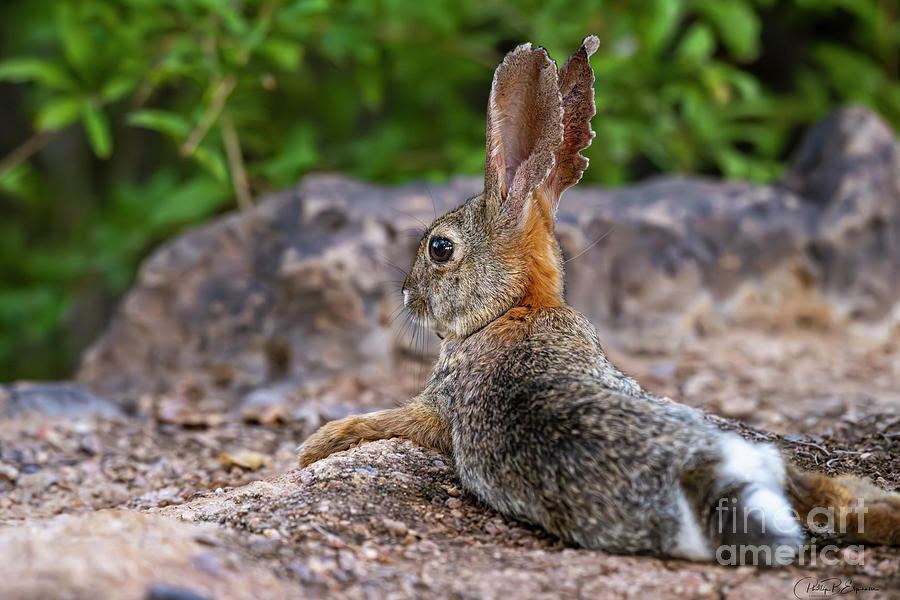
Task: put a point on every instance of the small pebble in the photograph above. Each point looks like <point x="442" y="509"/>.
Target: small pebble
<point x="663" y="370"/>
<point x="8" y="471"/>
<point x="81" y="427"/>
<point x="90" y="445"/>
<point x="851" y="556"/>
<point x="207" y="563"/>
<point x="164" y="591"/>
<point x="37" y="481"/>
<point x="395" y="528"/>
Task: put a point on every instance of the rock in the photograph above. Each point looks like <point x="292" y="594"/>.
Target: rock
<point x="245" y="459"/>
<point x="9" y="472"/>
<point x="266" y="406"/>
<point x="301" y="290"/>
<point x="849" y="168"/>
<point x="396" y="529"/>
<point x="737" y="406"/>
<point x="128" y="555"/>
<point x="162" y="591"/>
<point x="237" y="304"/>
<point x="60" y="399"/>
<point x="37" y="481"/>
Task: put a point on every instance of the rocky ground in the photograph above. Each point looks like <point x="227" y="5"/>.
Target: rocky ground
<point x="167" y="471"/>
<point x="116" y="506"/>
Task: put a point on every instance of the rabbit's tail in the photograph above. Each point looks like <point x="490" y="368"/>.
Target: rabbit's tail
<point x="739" y="509"/>
<point x="846" y="505"/>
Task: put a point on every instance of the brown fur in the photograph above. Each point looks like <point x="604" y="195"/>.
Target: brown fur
<point x="880" y="524"/>
<point x="524" y="124"/>
<point x="544" y="278"/>
<point x="414" y="421"/>
<point x="576" y="88"/>
<point x="511" y="326"/>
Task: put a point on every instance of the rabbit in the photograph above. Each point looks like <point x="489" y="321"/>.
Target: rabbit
<point x="541" y="426"/>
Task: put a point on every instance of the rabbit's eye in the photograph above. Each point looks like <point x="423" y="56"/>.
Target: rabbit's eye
<point x="440" y="249"/>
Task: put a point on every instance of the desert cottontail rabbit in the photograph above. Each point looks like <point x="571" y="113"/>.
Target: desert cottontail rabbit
<point x="540" y="424"/>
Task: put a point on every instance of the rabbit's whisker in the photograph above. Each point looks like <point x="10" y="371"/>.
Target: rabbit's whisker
<point x="431" y="195"/>
<point x="592" y="244"/>
<point x="389" y="263"/>
<point x="411" y="216"/>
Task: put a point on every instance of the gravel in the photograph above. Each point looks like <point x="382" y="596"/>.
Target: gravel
<point x="132" y="507"/>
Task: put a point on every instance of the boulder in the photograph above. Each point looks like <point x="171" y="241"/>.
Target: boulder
<point x="848" y="167"/>
<point x="53" y="399"/>
<point x="304" y="288"/>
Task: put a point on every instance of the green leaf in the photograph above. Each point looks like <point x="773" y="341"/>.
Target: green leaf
<point x="75" y="36"/>
<point x="233" y="20"/>
<point x="213" y="161"/>
<point x="698" y="43"/>
<point x="851" y="71"/>
<point x="21" y="184"/>
<point x="43" y="72"/>
<point x="169" y="123"/>
<point x="746" y="85"/>
<point x="256" y="35"/>
<point x="96" y="126"/>
<point x="285" y="54"/>
<point x="59" y="113"/>
<point x="295" y="158"/>
<point x="195" y="199"/>
<point x="117" y="87"/>
<point x="738" y="25"/>
<point x="658" y="21"/>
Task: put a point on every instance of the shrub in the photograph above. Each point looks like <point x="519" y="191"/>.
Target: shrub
<point x="130" y="119"/>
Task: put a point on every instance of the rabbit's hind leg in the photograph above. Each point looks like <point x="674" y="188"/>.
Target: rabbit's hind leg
<point x="850" y="506"/>
<point x="691" y="541"/>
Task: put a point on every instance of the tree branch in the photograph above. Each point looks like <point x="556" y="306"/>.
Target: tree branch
<point x="236" y="163"/>
<point x="25" y="151"/>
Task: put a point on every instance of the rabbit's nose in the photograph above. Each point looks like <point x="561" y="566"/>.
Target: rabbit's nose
<point x="405" y="297"/>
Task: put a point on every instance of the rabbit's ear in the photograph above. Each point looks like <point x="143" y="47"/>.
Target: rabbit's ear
<point x="576" y="87"/>
<point x="524" y="128"/>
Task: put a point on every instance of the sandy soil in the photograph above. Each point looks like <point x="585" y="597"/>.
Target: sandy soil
<point x="213" y="507"/>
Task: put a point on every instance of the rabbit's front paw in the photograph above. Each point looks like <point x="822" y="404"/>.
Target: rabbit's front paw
<point x="330" y="438"/>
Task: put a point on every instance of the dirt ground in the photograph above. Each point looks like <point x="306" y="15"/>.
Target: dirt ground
<point x="214" y="508"/>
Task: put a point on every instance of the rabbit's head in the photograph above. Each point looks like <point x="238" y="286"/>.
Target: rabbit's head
<point x="497" y="250"/>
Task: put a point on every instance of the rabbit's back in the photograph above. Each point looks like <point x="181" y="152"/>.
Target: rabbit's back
<point x="544" y="427"/>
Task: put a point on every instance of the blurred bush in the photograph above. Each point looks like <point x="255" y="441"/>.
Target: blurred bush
<point x="126" y="120"/>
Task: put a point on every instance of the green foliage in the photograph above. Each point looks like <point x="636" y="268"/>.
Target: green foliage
<point x="135" y="100"/>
